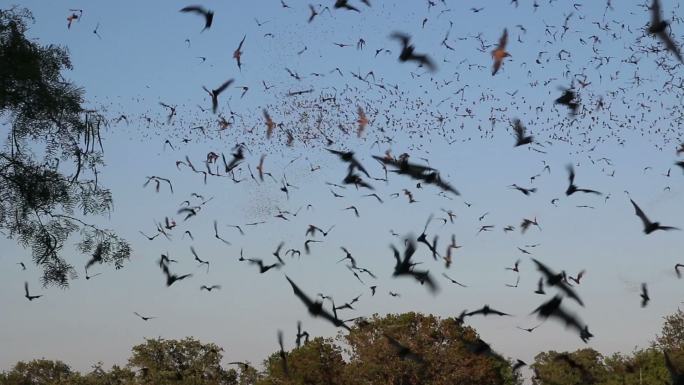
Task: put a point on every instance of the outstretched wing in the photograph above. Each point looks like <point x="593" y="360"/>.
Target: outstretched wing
<point x="571" y="174"/>
<point x="543" y="269"/>
<point x="224" y="85"/>
<point x="426" y="61"/>
<point x="655" y="13"/>
<point x="300" y="294"/>
<point x="640" y="214"/>
<point x="195" y="9"/>
<point x="403" y="38"/>
<point x="519" y="129"/>
<point x="670" y="44"/>
<point x="504" y="39"/>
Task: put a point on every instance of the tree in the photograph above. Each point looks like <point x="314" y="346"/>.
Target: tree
<point x="672" y="334"/>
<point x="645" y="366"/>
<point x="248" y="375"/>
<point x="581" y="367"/>
<point x="671" y="339"/>
<point x="116" y="376"/>
<point x="446" y="353"/>
<point x="187" y="361"/>
<point x="49" y="163"/>
<point x="40" y="372"/>
<point x="316" y="362"/>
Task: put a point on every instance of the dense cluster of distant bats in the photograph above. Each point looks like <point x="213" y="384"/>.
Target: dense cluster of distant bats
<point x="401" y="165"/>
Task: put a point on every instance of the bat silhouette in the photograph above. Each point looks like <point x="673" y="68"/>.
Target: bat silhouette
<point x="658" y="27"/>
<point x="568" y="99"/>
<point x="552" y="308"/>
<point x="348" y="157"/>
<point x="208" y="15"/>
<point x="578" y="278"/>
<point x="301" y="334"/>
<point x="144" y="318"/>
<point x="572" y="188"/>
<point x="485" y="311"/>
<point x="404" y="266"/>
<point x="237" y="54"/>
<point x="283" y="355"/>
<point x="520" y="138"/>
<point x="197" y="258"/>
<point x="344" y="4"/>
<point x="644" y="295"/>
<point x="649" y="226"/>
<point x="453" y="280"/>
<point x="315" y="307"/>
<point x="262" y="268"/>
<point x="29" y="296"/>
<point x="408" y="54"/>
<point x="500" y="53"/>
<point x="216" y="92"/>
<point x="423" y="173"/>
<point x="553" y="279"/>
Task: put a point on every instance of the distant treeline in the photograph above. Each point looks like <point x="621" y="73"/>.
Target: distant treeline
<point x="408" y="349"/>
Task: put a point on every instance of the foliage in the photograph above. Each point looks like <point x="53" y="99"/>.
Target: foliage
<point x="589" y="367"/>
<point x="115" y="376"/>
<point x="49" y="162"/>
<point x="643" y="366"/>
<point x="449" y="353"/>
<point x="444" y="344"/>
<point x="672" y="335"/>
<point x="316" y="362"/>
<point x="186" y="361"/>
<point x="39" y="372"/>
<point x="581" y="367"/>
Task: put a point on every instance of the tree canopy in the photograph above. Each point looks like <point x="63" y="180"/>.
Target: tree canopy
<point x="441" y="352"/>
<point x="643" y="366"/>
<point x="50" y="160"/>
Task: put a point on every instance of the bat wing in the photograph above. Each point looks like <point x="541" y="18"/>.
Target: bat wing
<point x="571" y="174"/>
<point x="224" y="85"/>
<point x="670" y="44"/>
<point x="543" y="269"/>
<point x="403" y="38"/>
<point x="569" y="319"/>
<point x="504" y="39"/>
<point x="640" y="214"/>
<point x="570" y="292"/>
<point x="358" y="165"/>
<point x="195" y="9"/>
<point x="446" y="186"/>
<point x="655" y="13"/>
<point x="410" y="250"/>
<point x="426" y="61"/>
<point x="424" y="277"/>
<point x="300" y="294"/>
<point x="519" y="129"/>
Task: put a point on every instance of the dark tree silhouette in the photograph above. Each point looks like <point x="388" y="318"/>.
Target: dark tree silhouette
<point x="50" y="159"/>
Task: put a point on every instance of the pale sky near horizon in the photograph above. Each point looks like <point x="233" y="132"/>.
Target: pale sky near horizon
<point x="142" y="59"/>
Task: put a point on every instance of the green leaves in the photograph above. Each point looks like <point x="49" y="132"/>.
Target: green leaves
<point x="587" y="366"/>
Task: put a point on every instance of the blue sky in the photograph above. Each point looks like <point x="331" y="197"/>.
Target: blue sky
<point x="143" y="59"/>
